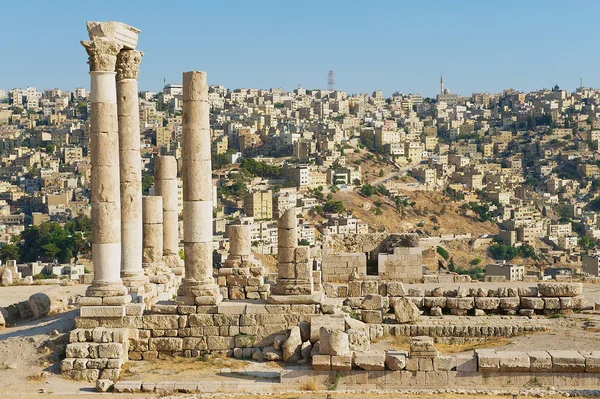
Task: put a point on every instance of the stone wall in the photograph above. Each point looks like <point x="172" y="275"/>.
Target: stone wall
<point x="374" y="301"/>
<point x="338" y="267"/>
<point x="97" y="353"/>
<point x="404" y="264"/>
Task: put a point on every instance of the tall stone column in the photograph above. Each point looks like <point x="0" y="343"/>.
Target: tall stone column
<point x="104" y="148"/>
<point x="165" y="185"/>
<point x="153" y="234"/>
<point x="199" y="285"/>
<point x="132" y="273"/>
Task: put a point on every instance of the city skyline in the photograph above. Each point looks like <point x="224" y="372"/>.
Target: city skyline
<point x="388" y="46"/>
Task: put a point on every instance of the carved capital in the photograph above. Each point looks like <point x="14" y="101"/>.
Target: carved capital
<point x="128" y="64"/>
<point x="102" y="54"/>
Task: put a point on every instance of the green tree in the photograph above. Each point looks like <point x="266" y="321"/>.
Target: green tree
<point x="9" y="252"/>
<point x="442" y="252"/>
<point x="367" y="190"/>
<point x="303" y="242"/>
<point x="147" y="182"/>
<point x="380" y="172"/>
<point x="333" y="207"/>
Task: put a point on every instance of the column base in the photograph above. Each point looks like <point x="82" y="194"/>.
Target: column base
<point x="134" y="279"/>
<point x="312" y="299"/>
<point x="292" y="287"/>
<point x="106" y="289"/>
<point x="193" y="293"/>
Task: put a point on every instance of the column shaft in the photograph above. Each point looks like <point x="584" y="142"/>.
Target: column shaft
<point x="165" y="184"/>
<point x="104" y="148"/>
<point x="130" y="168"/>
<point x="197" y="189"/>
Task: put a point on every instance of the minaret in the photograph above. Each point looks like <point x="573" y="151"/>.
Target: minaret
<point x="441" y="84"/>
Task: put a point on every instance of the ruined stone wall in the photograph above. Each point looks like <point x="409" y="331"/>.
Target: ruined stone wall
<point x="374" y="301"/>
<point x="404" y="264"/>
<point x="338" y="267"/>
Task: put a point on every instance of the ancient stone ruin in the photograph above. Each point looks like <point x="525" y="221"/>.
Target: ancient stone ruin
<point x="318" y="325"/>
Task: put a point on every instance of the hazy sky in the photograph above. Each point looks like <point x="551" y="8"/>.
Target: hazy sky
<point x="388" y="45"/>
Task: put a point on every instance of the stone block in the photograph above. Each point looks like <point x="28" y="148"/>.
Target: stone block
<point x="371" y="361"/>
<point x="560" y="289"/>
<point x="194" y="343"/>
<point x="510" y="303"/>
<point x="527" y="291"/>
<point x="201" y="320"/>
<point x="426" y="364"/>
<point x="436" y="378"/>
<point x="487" y="360"/>
<point x="395" y="360"/>
<point x="369" y="288"/>
<point x="341" y="363"/>
<point x="128" y="387"/>
<point x="220" y="343"/>
<point x="334" y="343"/>
<point x="592" y="361"/>
<point x="332" y="323"/>
<point x="101" y="311"/>
<point x="513" y="361"/>
<point x="564" y="361"/>
<point x="161" y="321"/>
<point x="551" y="303"/>
<point x="487" y="303"/>
<point x="372" y="302"/>
<point x="532" y="303"/>
<point x="372" y="316"/>
<point x="78" y="350"/>
<point x="395" y="288"/>
<point x="433" y="302"/>
<point x="166" y="344"/>
<point x="321" y="362"/>
<point x="540" y="361"/>
<point x="444" y="363"/>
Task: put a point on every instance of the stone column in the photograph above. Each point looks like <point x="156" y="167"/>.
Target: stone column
<point x="294" y="271"/>
<point x="128" y="62"/>
<point x="240" y="246"/>
<point x="165" y="185"/>
<point x="104" y="149"/>
<point x="199" y="285"/>
<point x="153" y="234"/>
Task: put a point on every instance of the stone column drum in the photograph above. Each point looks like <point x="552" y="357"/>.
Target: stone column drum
<point x="104" y="149"/>
<point x="240" y="244"/>
<point x="199" y="285"/>
<point x="165" y="185"/>
<point x="132" y="273"/>
<point x="294" y="272"/>
<point x="153" y="233"/>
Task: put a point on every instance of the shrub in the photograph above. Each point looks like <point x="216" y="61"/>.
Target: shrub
<point x="443" y="253"/>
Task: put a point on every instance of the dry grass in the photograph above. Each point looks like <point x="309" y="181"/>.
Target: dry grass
<point x="399" y="342"/>
<point x="403" y="343"/>
<point x="310" y="385"/>
<point x="469" y="346"/>
<point x="37" y="378"/>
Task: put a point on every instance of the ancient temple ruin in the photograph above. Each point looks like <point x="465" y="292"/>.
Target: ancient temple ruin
<point x="142" y="305"/>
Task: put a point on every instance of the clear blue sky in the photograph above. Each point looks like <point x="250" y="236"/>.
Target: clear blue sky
<point x="388" y="45"/>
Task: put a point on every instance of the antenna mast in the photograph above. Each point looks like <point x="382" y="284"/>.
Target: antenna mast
<point x="330" y="81"/>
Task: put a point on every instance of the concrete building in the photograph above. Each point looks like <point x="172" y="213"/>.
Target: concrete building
<point x="259" y="204"/>
<point x="509" y="271"/>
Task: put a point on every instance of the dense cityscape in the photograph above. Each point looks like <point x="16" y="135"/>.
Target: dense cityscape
<point x="513" y="176"/>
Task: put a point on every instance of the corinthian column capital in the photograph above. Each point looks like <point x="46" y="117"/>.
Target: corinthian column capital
<point x="128" y="64"/>
<point x="102" y="54"/>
